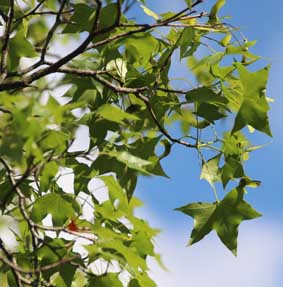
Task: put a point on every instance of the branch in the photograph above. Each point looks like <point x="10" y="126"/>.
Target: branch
<point x="159" y="125"/>
<point x="40" y="269"/>
<point x="137" y="93"/>
<point x="129" y="4"/>
<point x="32" y="12"/>
<point x="5" y="47"/>
<point x="95" y="75"/>
<point x="19" y="279"/>
<point x="66" y="230"/>
<point x="52" y="31"/>
<point x="85" y="45"/>
<point x="15" y="187"/>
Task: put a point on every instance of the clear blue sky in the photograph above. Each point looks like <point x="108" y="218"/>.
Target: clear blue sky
<point x="261" y="21"/>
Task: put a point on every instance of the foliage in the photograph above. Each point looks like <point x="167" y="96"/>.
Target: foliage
<point x="114" y="74"/>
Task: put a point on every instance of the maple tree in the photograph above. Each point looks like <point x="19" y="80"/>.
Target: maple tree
<point x="111" y="75"/>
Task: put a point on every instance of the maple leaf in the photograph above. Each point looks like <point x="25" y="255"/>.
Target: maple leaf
<point x="254" y="108"/>
<point x="224" y="217"/>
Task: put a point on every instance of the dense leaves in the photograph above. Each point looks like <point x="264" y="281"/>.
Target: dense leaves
<point x="87" y="106"/>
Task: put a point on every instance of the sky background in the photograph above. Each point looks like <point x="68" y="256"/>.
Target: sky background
<point x="260" y="252"/>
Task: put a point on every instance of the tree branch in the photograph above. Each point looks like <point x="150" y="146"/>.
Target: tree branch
<point x="52" y="31"/>
<point x="31" y="12"/>
<point x="19" y="279"/>
<point x="40" y="269"/>
<point x="5" y="47"/>
<point x="85" y="45"/>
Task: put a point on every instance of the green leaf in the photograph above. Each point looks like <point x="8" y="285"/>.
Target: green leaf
<point x="189" y="3"/>
<point x="107" y="280"/>
<point x="140" y="48"/>
<point x="134" y="283"/>
<point x="114" y="114"/>
<point x="150" y="12"/>
<point x="48" y="173"/>
<point x="186" y="41"/>
<point x="223" y="217"/>
<point x="19" y="47"/>
<point x="118" y="65"/>
<point x="209" y="60"/>
<point x="246" y="181"/>
<point x="108" y="16"/>
<point x="56" y="141"/>
<point x="81" y="20"/>
<point x="205" y="95"/>
<point x="61" y="207"/>
<point x="210" y="170"/>
<point x="233" y="148"/>
<point x="142" y="242"/>
<point x="214" y="11"/>
<point x="116" y="193"/>
<point x="209" y="112"/>
<point x="202" y="213"/>
<point x="131" y="161"/>
<point x="232" y="169"/>
<point x="242" y="49"/>
<point x="254" y="108"/>
<point x="226" y="39"/>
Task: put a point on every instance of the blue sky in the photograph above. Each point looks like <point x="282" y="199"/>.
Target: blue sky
<point x="260" y="254"/>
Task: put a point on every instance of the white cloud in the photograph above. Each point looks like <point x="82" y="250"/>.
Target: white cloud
<point x="208" y="263"/>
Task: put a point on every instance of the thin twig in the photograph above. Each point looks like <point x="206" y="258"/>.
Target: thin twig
<point x="52" y="31"/>
<point x="31" y="12"/>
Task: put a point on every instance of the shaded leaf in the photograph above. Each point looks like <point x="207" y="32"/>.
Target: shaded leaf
<point x="61" y="207"/>
<point x="210" y="170"/>
<point x="114" y="114"/>
<point x="254" y="108"/>
<point x="205" y="95"/>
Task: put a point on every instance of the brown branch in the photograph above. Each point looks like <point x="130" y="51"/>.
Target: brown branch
<point x="4" y="16"/>
<point x="5" y="47"/>
<point x="21" y="197"/>
<point x="80" y="234"/>
<point x="119" y="13"/>
<point x="30" y="169"/>
<point x="52" y="31"/>
<point x="128" y="5"/>
<point x="137" y="93"/>
<point x="40" y="269"/>
<point x="85" y="45"/>
<point x="95" y="75"/>
<point x="31" y="12"/>
<point x="11" y="258"/>
<point x="140" y="29"/>
<point x="53" y="12"/>
<point x="159" y="125"/>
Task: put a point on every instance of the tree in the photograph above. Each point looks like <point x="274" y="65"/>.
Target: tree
<point x="116" y="83"/>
